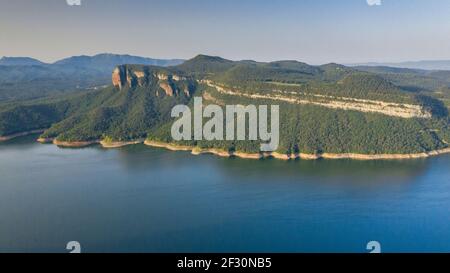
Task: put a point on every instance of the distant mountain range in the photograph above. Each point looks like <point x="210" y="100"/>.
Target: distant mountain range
<point x="28" y="78"/>
<point x="9" y="61"/>
<point x="427" y="65"/>
<point x="109" y="61"/>
<point x="101" y="61"/>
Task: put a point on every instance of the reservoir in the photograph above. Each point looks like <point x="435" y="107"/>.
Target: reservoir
<point x="143" y="199"/>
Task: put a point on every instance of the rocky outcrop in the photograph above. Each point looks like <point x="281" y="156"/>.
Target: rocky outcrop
<point x="401" y="110"/>
<point x="128" y="76"/>
<point x="162" y="76"/>
<point x="167" y="88"/>
<point x="123" y="76"/>
<point x="118" y="77"/>
<point x="178" y="78"/>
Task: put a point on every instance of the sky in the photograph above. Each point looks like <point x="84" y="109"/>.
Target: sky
<point x="313" y="31"/>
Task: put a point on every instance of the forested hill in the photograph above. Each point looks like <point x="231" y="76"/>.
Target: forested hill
<point x="329" y="108"/>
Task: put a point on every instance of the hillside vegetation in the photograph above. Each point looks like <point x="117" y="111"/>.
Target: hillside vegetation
<point x="329" y="108"/>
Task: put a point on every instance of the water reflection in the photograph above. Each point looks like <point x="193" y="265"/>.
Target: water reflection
<point x="140" y="157"/>
<point x="144" y="158"/>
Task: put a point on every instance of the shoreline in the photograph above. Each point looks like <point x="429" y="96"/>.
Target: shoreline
<point x="81" y="144"/>
<point x="74" y="144"/>
<point x="32" y="132"/>
<point x="118" y="144"/>
<point x="243" y="155"/>
<point x="280" y="156"/>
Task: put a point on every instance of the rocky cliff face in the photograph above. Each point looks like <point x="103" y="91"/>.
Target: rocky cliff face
<point x="118" y="77"/>
<point x="167" y="89"/>
<point x="124" y="76"/>
<point x="401" y="110"/>
<point x="170" y="84"/>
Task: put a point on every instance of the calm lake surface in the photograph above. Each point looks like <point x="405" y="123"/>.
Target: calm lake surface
<point x="141" y="199"/>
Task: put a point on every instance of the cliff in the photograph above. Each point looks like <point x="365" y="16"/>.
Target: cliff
<point x="128" y="76"/>
<point x="402" y="110"/>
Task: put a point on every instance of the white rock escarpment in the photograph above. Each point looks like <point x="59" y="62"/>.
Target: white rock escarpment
<point x="401" y="110"/>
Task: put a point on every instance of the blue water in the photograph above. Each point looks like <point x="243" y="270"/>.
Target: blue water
<point x="141" y="199"/>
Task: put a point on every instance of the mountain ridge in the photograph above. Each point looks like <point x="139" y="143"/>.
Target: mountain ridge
<point x="422" y="64"/>
<point x="329" y="109"/>
<point x="18" y="61"/>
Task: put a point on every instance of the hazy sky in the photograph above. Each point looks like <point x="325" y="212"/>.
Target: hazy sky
<point x="314" y="31"/>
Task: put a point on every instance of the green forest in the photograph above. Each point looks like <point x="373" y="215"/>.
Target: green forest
<point x="142" y="108"/>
